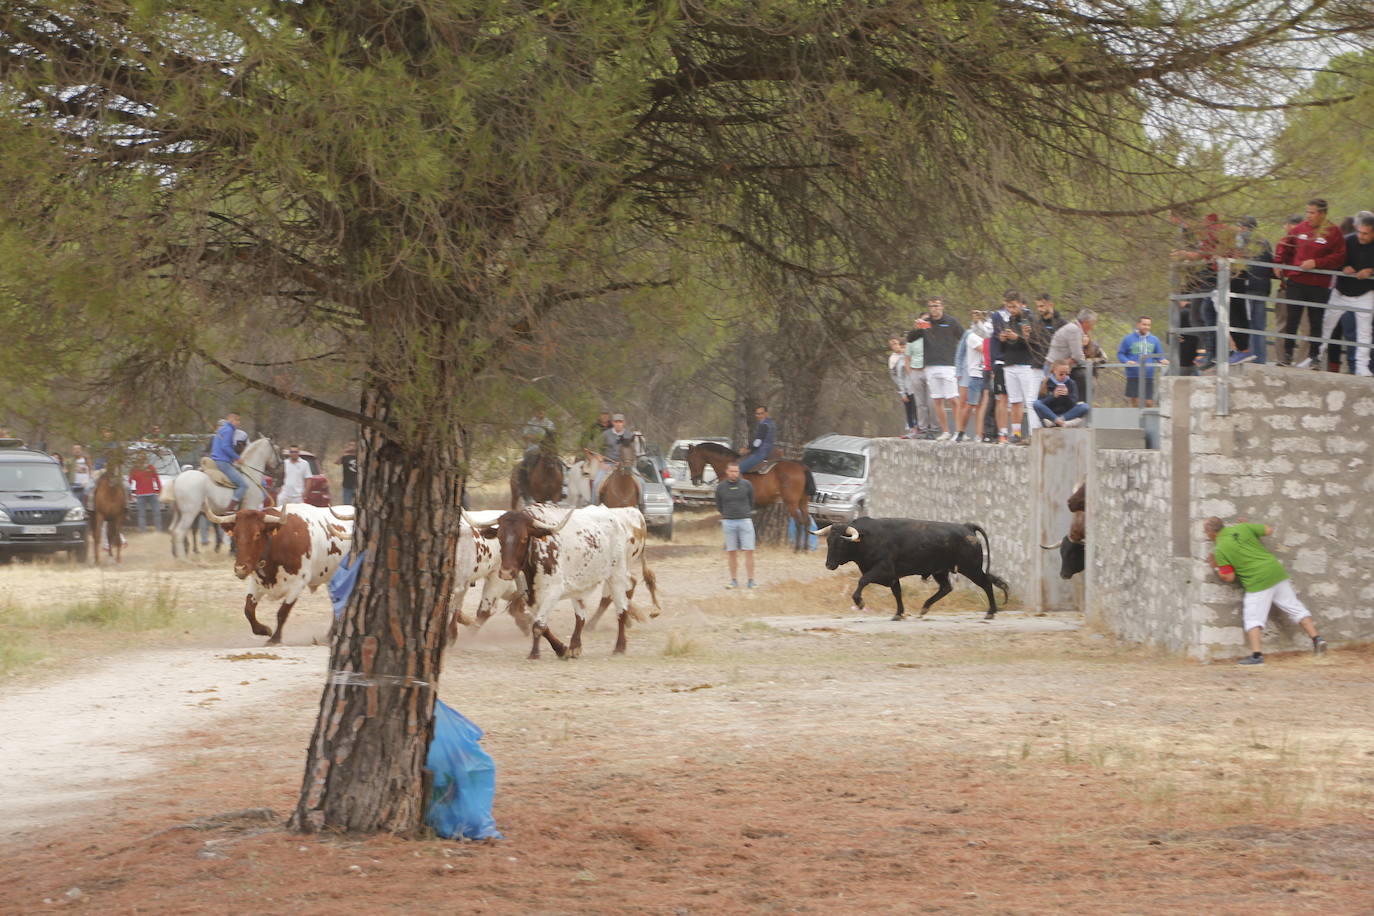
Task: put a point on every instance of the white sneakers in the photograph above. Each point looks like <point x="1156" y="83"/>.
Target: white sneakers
<point x="944" y="437"/>
<point x="1305" y="364"/>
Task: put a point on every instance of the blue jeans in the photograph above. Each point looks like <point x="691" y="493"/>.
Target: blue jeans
<point x="203" y="526"/>
<point x="1259" y="317"/>
<point x="237" y="479"/>
<point x="147" y="502"/>
<point x="1073" y="412"/>
<point x="349" y="494"/>
<point x="753" y="460"/>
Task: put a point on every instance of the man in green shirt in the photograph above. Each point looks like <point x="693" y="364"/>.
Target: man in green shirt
<point x="1239" y="554"/>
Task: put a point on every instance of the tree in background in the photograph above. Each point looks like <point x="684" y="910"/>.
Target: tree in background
<point x="419" y="187"/>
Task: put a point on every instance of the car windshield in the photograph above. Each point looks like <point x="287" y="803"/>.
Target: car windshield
<point x="646" y="468"/>
<point x="840" y="464"/>
<point x="37" y="475"/>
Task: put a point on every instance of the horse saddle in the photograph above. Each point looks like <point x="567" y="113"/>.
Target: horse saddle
<point x="211" y="470"/>
<point x="764" y="466"/>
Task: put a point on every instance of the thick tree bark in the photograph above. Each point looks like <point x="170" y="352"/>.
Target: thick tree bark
<point x="365" y="767"/>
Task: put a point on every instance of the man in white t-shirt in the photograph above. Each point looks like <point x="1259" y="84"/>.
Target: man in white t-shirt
<point x="294" y="470"/>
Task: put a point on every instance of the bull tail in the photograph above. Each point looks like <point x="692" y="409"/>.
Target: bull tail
<point x="987" y="547"/>
<point x="1002" y="584"/>
<point x="651" y="581"/>
<point x="810" y="483"/>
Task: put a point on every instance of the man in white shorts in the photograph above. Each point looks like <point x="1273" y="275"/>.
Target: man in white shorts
<point x="941" y="334"/>
<point x="1239" y="554"/>
<point x="1010" y="336"/>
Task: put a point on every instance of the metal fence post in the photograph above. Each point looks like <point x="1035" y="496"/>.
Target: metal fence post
<point x="1221" y="296"/>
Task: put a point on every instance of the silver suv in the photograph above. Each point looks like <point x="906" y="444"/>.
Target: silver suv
<point x="840" y="465"/>
<point x="38" y="513"/>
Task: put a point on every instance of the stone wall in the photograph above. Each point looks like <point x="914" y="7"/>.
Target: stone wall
<point x="1296" y="451"/>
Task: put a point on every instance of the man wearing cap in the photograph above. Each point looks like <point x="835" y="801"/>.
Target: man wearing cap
<point x="612" y="441"/>
<point x="349" y="462"/>
<point x="1316" y="243"/>
<point x="293" y="472"/>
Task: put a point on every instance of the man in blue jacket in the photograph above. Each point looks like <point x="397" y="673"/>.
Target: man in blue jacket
<point x="761" y="445"/>
<point x="226" y="458"/>
<point x="1141" y="348"/>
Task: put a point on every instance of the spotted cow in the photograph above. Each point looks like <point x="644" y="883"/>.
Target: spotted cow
<point x="584" y="556"/>
<point x="281" y="552"/>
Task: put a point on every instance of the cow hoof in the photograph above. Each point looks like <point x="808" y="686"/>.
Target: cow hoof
<point x="899" y="617"/>
<point x="574" y="652"/>
<point x="533" y="656"/>
<point x="274" y="642"/>
<point x="989" y="615"/>
<point x="855" y="609"/>
<point x="618" y="651"/>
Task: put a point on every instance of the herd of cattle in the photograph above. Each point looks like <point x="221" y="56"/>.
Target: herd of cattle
<point x="533" y="558"/>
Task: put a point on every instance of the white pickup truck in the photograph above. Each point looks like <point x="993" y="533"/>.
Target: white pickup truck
<point x="684" y="492"/>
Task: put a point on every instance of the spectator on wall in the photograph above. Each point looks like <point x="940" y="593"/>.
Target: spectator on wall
<point x="1252" y="283"/>
<point x="1062" y="404"/>
<point x="973" y="370"/>
<point x="1072" y="342"/>
<point x="1045" y="321"/>
<point x="1353" y="297"/>
<point x="1012" y="352"/>
<point x="916" y="379"/>
<point x="896" y="370"/>
<point x="1313" y="244"/>
<point x="1140" y="351"/>
<point x="941" y="334"/>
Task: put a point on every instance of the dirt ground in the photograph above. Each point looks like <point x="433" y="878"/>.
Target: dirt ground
<point x="755" y="752"/>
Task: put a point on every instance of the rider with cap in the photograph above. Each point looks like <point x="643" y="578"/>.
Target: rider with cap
<point x="226" y="458"/>
<point x="612" y="441"/>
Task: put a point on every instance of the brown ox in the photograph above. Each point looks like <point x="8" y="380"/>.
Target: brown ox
<point x="280" y="553"/>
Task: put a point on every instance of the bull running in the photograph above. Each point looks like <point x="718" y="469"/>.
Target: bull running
<point x="886" y="549"/>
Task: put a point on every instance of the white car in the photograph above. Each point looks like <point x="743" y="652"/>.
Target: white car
<point x="680" y="478"/>
<point x="840" y="465"/>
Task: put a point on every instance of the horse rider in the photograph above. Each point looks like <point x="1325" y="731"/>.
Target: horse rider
<point x="226" y="458"/>
<point x="538" y="435"/>
<point x="613" y="440"/>
<point x="596" y="432"/>
<point x="761" y="446"/>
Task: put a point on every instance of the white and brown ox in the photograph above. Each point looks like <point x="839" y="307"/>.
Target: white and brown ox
<point x="281" y="552"/>
<point x="586" y="556"/>
<point x="479" y="563"/>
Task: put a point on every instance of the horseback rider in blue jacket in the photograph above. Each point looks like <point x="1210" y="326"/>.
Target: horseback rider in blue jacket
<point x="226" y="458"/>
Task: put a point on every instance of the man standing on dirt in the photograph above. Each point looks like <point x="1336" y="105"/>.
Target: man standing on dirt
<point x="1239" y="554"/>
<point x="735" y="502"/>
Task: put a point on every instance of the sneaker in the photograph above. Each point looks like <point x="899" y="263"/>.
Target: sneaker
<point x="1001" y="440"/>
<point x="1318" y="646"/>
<point x="944" y="437"/>
<point x="1244" y="356"/>
<point x="1305" y="364"/>
<point x="1074" y="423"/>
<point x="734" y="583"/>
<point x="1284" y="364"/>
<point x="1020" y="440"/>
<point x="752" y="584"/>
<point x="1256" y="659"/>
<point x="958" y="437"/>
<point x="1048" y="424"/>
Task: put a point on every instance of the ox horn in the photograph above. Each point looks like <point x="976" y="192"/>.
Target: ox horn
<point x="560" y="525"/>
<point x="219" y="519"/>
<point x="851" y="533"/>
<point x="467" y="518"/>
<point x="823" y="531"/>
<point x="344" y="518"/>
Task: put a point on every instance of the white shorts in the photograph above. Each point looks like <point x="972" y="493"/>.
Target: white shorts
<point x="1255" y="610"/>
<point x="942" y="382"/>
<point x="1023" y="384"/>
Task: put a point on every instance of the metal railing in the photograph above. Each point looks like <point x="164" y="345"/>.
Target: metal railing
<point x="1221" y="296"/>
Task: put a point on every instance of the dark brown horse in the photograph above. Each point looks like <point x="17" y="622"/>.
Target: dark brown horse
<point x="538" y="478"/>
<point x="621" y="490"/>
<point x="109" y="502"/>
<point x="788" y="482"/>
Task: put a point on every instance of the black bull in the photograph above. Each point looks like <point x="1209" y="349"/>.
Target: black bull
<point x="886" y="549"/>
<point x="1072" y="551"/>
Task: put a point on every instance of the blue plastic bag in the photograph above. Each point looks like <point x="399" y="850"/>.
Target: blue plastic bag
<point x="342" y="582"/>
<point x="464" y="779"/>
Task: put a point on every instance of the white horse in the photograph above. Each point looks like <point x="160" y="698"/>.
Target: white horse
<point x="578" y="479"/>
<point x="191" y="491"/>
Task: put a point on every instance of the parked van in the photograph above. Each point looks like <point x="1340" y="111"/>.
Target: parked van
<point x="841" y="467"/>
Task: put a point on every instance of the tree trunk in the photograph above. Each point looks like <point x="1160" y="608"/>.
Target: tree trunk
<point x="365" y="767"/>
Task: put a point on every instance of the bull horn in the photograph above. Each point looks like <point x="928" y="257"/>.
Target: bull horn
<point x="467" y="518"/>
<point x="851" y="533"/>
<point x="219" y="519"/>
<point x="343" y="518"/>
<point x="564" y="522"/>
<point x="823" y="531"/>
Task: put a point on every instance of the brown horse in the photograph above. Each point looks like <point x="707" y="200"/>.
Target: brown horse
<point x="538" y="478"/>
<point x="621" y="490"/>
<point x="788" y="482"/>
<point x="109" y="502"/>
